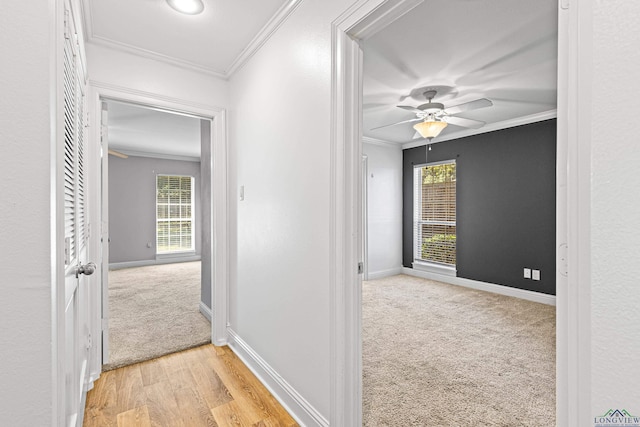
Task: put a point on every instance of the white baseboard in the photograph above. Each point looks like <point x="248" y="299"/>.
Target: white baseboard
<point x="206" y="311"/>
<point x="384" y="273"/>
<point x="301" y="410"/>
<point x="145" y="262"/>
<point x="482" y="286"/>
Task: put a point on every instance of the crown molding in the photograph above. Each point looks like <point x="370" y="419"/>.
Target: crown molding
<point x="263" y="35"/>
<point x="149" y="54"/>
<point x="518" y="121"/>
<point x="380" y="142"/>
<point x="163" y="156"/>
<point x="254" y="45"/>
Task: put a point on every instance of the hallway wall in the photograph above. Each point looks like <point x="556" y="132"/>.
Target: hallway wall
<point x="27" y="270"/>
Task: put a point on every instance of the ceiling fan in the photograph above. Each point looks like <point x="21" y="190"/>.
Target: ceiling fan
<point x="434" y="117"/>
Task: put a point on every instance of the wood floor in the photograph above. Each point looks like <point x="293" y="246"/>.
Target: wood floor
<point x="204" y="386"/>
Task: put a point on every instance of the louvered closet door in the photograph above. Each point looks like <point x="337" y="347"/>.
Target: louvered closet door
<point x="76" y="326"/>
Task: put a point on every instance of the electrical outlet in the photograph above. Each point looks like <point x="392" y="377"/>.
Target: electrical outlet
<point x="527" y="273"/>
<point x="535" y="274"/>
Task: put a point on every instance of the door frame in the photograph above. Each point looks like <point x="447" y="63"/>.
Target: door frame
<point x="362" y="20"/>
<point x="98" y="92"/>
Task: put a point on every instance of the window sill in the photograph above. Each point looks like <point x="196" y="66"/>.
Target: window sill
<point x="182" y="254"/>
<point x="431" y="267"/>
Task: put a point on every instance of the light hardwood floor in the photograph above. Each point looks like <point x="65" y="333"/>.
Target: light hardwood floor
<point x="204" y="386"/>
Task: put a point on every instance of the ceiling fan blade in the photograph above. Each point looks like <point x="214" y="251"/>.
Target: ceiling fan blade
<point x="398" y="123"/>
<point x="473" y="105"/>
<point x="465" y="123"/>
<point x="409" y="108"/>
<point x="417" y="136"/>
<point x="118" y="154"/>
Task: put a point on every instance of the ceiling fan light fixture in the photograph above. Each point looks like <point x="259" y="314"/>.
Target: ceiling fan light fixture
<point x="188" y="7"/>
<point x="430" y="129"/>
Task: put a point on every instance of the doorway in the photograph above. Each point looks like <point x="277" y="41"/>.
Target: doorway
<point x="213" y="205"/>
<point x="158" y="294"/>
<point x="351" y="28"/>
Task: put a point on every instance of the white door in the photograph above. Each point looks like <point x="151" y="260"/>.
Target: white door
<point x="75" y="321"/>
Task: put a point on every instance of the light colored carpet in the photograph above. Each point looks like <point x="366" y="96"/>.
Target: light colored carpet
<point x="441" y="355"/>
<point x="154" y="311"/>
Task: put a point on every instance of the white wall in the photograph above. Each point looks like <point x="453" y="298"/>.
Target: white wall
<point x="615" y="208"/>
<point x="279" y="134"/>
<point x="25" y="242"/>
<point x="125" y="70"/>
<point x="384" y="209"/>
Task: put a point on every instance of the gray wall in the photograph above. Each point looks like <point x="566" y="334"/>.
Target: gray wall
<point x="132" y="205"/>
<point x="505" y="204"/>
<point x="205" y="209"/>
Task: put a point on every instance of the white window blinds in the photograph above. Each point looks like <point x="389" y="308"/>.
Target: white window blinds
<point x="435" y="213"/>
<point x="174" y="214"/>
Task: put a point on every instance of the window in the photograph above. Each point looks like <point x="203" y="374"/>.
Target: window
<point x="435" y="216"/>
<point x="174" y="214"/>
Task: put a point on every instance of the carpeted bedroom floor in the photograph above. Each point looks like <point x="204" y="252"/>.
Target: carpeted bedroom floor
<point x="442" y="355"/>
<point x="153" y="311"/>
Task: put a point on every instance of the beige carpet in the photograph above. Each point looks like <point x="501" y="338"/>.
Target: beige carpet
<point x="154" y="311"/>
<point x="441" y="355"/>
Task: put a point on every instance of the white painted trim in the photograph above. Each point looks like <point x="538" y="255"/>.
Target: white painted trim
<point x="206" y="311"/>
<point x="484" y="286"/>
<point x="380" y="142"/>
<point x="132" y="153"/>
<point x="147" y="262"/>
<point x="263" y="35"/>
<point x="363" y="18"/>
<point x="430" y="267"/>
<point x="385" y="273"/>
<point x="299" y="408"/>
<point x="149" y="54"/>
<point x="573" y="224"/>
<point x="129" y="95"/>
<point x="518" y="121"/>
<point x="254" y="45"/>
<point x="56" y="238"/>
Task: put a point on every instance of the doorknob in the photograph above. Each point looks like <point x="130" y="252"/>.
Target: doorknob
<point x="88" y="269"/>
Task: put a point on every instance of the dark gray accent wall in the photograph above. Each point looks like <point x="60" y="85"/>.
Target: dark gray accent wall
<point x="506" y="204"/>
<point x="206" y="225"/>
<point x="132" y="205"/>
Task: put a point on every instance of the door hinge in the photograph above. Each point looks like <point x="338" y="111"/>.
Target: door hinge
<point x="360" y="267"/>
<point x="563" y="259"/>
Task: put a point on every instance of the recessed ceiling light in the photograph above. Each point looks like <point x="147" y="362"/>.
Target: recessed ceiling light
<point x="189" y="7"/>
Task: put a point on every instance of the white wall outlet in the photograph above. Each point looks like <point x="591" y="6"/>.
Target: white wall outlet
<point x="527" y="273"/>
<point x="535" y="274"/>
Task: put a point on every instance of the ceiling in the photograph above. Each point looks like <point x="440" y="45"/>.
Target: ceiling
<point x="142" y="131"/>
<point x="503" y="50"/>
<point x="216" y="41"/>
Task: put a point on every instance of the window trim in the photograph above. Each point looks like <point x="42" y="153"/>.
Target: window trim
<point x="181" y="252"/>
<point x="418" y="263"/>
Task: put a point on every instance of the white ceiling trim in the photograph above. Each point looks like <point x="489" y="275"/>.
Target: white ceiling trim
<point x="155" y="56"/>
<point x="263" y="35"/>
<point x="132" y="153"/>
<point x="518" y="121"/>
<point x="254" y="45"/>
<point x="380" y="142"/>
